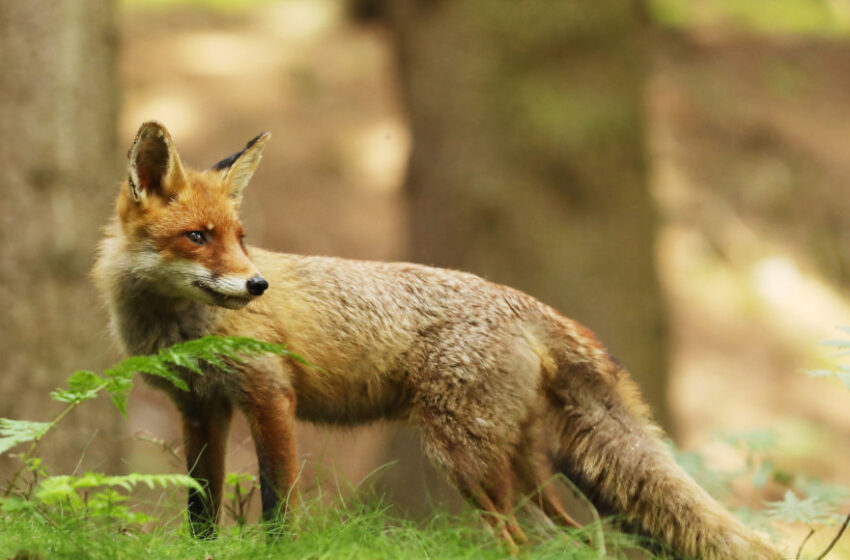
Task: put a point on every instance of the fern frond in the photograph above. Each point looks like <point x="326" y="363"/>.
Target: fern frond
<point x="810" y="510"/>
<point x="14" y="432"/>
<point x="82" y="386"/>
<point x="216" y="351"/>
<point x="56" y="488"/>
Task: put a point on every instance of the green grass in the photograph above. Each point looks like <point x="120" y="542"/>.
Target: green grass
<point x="359" y="529"/>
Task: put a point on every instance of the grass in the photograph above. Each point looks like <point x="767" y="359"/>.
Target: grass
<point x="357" y="529"/>
<point x="95" y="516"/>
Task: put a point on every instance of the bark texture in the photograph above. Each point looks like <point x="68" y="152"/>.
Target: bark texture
<point x="59" y="166"/>
<point x="528" y="162"/>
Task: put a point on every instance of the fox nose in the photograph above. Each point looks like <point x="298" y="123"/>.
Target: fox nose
<point x="256" y="285"/>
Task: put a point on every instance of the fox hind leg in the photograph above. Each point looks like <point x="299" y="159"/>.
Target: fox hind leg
<point x="498" y="513"/>
<point x="480" y="471"/>
<point x="536" y="480"/>
<point x="472" y="405"/>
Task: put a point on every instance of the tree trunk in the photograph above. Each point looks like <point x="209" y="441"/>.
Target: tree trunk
<point x="59" y="168"/>
<point x="528" y="163"/>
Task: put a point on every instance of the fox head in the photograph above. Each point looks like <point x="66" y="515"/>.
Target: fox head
<point x="182" y="229"/>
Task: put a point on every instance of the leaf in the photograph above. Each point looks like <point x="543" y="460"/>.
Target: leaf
<point x="171" y="363"/>
<point x="14" y="432"/>
<point x="833" y="494"/>
<point x="16" y="505"/>
<point x="185" y="360"/>
<point x="57" y="487"/>
<point x="119" y="391"/>
<point x="809" y="511"/>
<point x="151" y="365"/>
<point x="82" y="386"/>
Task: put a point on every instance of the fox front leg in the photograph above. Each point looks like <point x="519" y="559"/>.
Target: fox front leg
<point x="271" y="417"/>
<point x="205" y="428"/>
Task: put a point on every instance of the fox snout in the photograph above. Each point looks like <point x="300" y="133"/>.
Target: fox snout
<point x="256" y="285"/>
<point x="233" y="292"/>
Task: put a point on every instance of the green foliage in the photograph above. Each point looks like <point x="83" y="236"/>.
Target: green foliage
<point x="15" y="432"/>
<point x="65" y="487"/>
<point x="81" y="516"/>
<point x="811" y="510"/>
<point x="239" y="492"/>
<point x="842" y="372"/>
<point x="82" y="386"/>
<point x="169" y="364"/>
<point x="91" y="516"/>
<point x="808" y="501"/>
<point x="358" y="527"/>
<point x="755" y="447"/>
<point x="823" y="504"/>
<point x="172" y="364"/>
<point x="94" y="495"/>
<point x="828" y="494"/>
<point x="805" y="500"/>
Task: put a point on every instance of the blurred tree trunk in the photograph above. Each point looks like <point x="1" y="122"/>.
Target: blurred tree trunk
<point x="59" y="169"/>
<point x="528" y="166"/>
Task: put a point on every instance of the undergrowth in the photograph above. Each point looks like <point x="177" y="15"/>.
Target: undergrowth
<point x="97" y="516"/>
<point x="363" y="528"/>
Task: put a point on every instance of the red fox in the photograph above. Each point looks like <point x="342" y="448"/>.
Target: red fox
<point x="504" y="390"/>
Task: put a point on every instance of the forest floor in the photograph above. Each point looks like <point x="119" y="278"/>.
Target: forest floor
<point x="748" y="137"/>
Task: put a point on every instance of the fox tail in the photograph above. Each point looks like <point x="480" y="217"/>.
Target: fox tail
<point x="604" y="441"/>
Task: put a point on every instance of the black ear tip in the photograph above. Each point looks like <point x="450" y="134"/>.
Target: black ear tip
<point x="227" y="162"/>
<point x="257" y="138"/>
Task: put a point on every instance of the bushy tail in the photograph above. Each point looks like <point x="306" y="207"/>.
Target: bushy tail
<point x="605" y="443"/>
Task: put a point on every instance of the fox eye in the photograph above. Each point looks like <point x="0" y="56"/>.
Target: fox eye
<point x="197" y="237"/>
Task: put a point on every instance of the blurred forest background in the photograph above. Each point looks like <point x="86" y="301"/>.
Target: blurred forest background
<point x="671" y="173"/>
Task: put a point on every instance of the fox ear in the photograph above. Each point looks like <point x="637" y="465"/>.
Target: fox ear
<point x="153" y="166"/>
<point x="239" y="168"/>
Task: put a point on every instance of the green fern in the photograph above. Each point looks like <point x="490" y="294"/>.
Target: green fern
<point x="215" y="351"/>
<point x="60" y="488"/>
<point x="15" y="432"/>
<point x="169" y="363"/>
<point x="810" y="510"/>
<point x="842" y="372"/>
